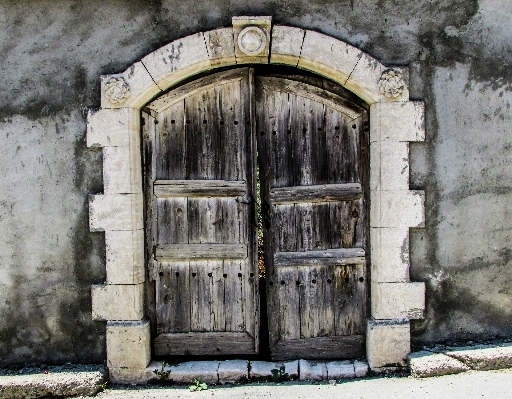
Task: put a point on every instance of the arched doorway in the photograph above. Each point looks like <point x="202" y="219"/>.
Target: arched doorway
<point x="393" y="208"/>
<point x="200" y="145"/>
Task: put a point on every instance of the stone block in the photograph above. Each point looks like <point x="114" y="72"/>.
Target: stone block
<point x="205" y="371"/>
<point x="397" y="121"/>
<point x="76" y="381"/>
<point x="327" y="56"/>
<point x="389" y="166"/>
<point x="312" y="371"/>
<point x="491" y="358"/>
<point x="231" y="371"/>
<point x="113" y="127"/>
<point x="117" y="302"/>
<point x="360" y="368"/>
<point x="389" y="254"/>
<point x="122" y="170"/>
<point x="220" y="46"/>
<point x="428" y="364"/>
<point x="364" y="79"/>
<point x="397" y="300"/>
<point x="115" y="212"/>
<point x="128" y="345"/>
<point x="123" y="375"/>
<point x="340" y="370"/>
<point x="178" y="60"/>
<point x="263" y="370"/>
<point x="252" y="39"/>
<point x="286" y="45"/>
<point x="125" y="256"/>
<point x="405" y="208"/>
<point x="130" y="88"/>
<point x="388" y="343"/>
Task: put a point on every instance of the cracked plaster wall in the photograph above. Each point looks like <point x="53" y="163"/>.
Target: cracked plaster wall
<point x="53" y="53"/>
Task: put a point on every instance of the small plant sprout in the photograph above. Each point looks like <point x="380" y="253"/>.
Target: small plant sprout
<point x="280" y="374"/>
<point x="162" y="374"/>
<point x="198" y="386"/>
<point x="102" y="386"/>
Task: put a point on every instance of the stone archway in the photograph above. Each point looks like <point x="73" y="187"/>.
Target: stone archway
<point x="394" y="122"/>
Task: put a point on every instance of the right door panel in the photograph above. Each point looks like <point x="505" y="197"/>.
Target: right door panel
<point x="313" y="164"/>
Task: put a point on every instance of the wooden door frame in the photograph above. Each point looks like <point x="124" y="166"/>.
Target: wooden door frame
<point x="394" y="122"/>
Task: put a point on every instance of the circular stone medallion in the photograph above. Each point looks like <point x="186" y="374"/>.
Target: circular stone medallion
<point x="252" y="40"/>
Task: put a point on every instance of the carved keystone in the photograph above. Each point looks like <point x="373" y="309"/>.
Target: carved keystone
<point x="252" y="39"/>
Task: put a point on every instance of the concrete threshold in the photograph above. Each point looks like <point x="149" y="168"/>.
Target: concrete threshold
<point x="458" y="360"/>
<point x="236" y="371"/>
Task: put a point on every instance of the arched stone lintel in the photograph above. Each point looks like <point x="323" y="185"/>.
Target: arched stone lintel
<point x="394" y="122"/>
<point x="204" y="51"/>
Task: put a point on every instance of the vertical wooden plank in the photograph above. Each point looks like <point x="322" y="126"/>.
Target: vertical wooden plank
<point x="149" y="155"/>
<point x="321" y="226"/>
<point x="172" y="220"/>
<point x="194" y="141"/>
<point x="347" y="225"/>
<point x="349" y="300"/>
<point x="299" y="109"/>
<point x="289" y="306"/>
<point x="336" y="158"/>
<point x="234" y="295"/>
<point x="171" y="162"/>
<point x="208" y="134"/>
<point x="284" y="227"/>
<point x="250" y="286"/>
<point x="316" y="131"/>
<point x="334" y="224"/>
<point x="200" y="318"/>
<point x="326" y="302"/>
<point x="304" y="226"/>
<point x="173" y="298"/>
<point x="308" y="312"/>
<point x="231" y="121"/>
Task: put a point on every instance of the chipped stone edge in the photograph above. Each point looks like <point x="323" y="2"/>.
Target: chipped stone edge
<point x="393" y="120"/>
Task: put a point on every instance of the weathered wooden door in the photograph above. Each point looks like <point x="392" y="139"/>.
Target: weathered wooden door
<point x="200" y="157"/>
<point x="200" y="178"/>
<point x="312" y="159"/>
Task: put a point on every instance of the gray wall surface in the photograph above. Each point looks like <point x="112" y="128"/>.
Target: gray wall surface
<point x="52" y="54"/>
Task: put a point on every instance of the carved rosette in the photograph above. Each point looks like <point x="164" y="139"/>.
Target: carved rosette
<point x="117" y="90"/>
<point x="252" y="40"/>
<point x="391" y="84"/>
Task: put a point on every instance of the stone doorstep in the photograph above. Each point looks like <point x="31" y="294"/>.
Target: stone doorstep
<point x="481" y="357"/>
<point x="79" y="380"/>
<point x="233" y="371"/>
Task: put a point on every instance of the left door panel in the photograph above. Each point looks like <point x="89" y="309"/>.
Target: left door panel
<point x="200" y="187"/>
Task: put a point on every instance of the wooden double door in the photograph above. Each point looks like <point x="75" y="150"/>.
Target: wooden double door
<point x="247" y="170"/>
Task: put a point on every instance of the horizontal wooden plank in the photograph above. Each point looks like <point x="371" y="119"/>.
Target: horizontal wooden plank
<point x="204" y="343"/>
<point x="322" y="96"/>
<point x="341" y="347"/>
<point x="199" y="188"/>
<point x="341" y="256"/>
<point x="201" y="251"/>
<point x="167" y="100"/>
<point x="319" y="193"/>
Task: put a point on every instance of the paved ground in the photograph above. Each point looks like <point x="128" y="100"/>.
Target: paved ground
<point x="496" y="384"/>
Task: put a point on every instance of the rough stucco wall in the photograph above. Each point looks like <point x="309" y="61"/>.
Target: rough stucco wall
<point x="53" y="53"/>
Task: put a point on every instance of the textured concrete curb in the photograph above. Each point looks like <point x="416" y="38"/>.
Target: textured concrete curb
<point x="61" y="384"/>
<point x="232" y="371"/>
<point x="431" y="364"/>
